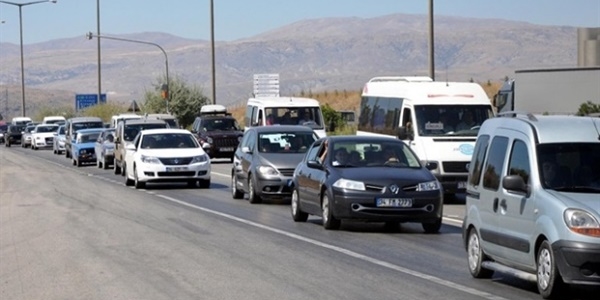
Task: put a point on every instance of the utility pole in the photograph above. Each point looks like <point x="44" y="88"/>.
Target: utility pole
<point x="212" y="47"/>
<point x="431" y="47"/>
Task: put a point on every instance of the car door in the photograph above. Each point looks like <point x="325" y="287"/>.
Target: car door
<point x="238" y="170"/>
<point x="130" y="155"/>
<point x="313" y="176"/>
<point x="516" y="215"/>
<point x="490" y="195"/>
<point x="246" y="158"/>
<point x="302" y="172"/>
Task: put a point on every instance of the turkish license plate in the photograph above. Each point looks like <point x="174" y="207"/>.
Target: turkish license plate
<point x="462" y="185"/>
<point x="394" y="202"/>
<point x="176" y="169"/>
<point x="226" y="149"/>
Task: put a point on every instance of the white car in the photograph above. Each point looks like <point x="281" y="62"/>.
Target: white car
<point x="59" y="140"/>
<point x="43" y="136"/>
<point x="166" y="155"/>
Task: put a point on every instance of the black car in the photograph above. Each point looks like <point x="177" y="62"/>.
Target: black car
<point x="217" y="131"/>
<point x="367" y="178"/>
<point x="13" y="135"/>
<point x="265" y="160"/>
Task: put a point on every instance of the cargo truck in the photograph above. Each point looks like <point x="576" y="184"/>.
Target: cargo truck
<point x="549" y="91"/>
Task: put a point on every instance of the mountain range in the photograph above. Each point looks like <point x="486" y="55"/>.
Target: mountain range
<point x="309" y="55"/>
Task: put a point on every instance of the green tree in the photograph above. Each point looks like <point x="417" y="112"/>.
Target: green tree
<point x="332" y="117"/>
<point x="184" y="101"/>
<point x="104" y="111"/>
<point x="588" y="108"/>
<point x="65" y="111"/>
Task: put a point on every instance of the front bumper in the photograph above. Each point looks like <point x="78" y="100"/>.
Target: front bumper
<point x="89" y="156"/>
<point x="60" y="145"/>
<point x="161" y="173"/>
<point x="222" y="152"/>
<point x="274" y="187"/>
<point x="43" y="143"/>
<point x="426" y="206"/>
<point x="578" y="263"/>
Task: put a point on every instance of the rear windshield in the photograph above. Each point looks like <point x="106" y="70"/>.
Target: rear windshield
<point x="86" y="125"/>
<point x="132" y="130"/>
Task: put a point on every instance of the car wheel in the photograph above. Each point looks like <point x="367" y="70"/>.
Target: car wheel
<point x="204" y="183"/>
<point x="78" y="163"/>
<point x="74" y="162"/>
<point x="252" y="196"/>
<point x="53" y="151"/>
<point x="128" y="182"/>
<point x="98" y="163"/>
<point x="432" y="227"/>
<point x="297" y="214"/>
<point x="138" y="184"/>
<point x="549" y="282"/>
<point x="192" y="183"/>
<point x="235" y="193"/>
<point x="329" y="221"/>
<point x="476" y="257"/>
<point x="117" y="168"/>
<point x="104" y="164"/>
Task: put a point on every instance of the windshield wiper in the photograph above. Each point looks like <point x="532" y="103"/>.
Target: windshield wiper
<point x="580" y="189"/>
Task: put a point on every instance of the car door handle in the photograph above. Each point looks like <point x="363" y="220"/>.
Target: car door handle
<point x="495" y="205"/>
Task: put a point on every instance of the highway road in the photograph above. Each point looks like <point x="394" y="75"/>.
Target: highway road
<point x="80" y="233"/>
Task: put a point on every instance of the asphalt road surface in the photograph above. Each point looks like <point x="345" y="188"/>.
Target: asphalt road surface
<point x="80" y="233"/>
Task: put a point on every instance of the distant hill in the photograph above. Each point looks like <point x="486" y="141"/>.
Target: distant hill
<point x="311" y="55"/>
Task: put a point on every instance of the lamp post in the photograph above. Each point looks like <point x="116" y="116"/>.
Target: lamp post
<point x="90" y="35"/>
<point x="212" y="47"/>
<point x="20" y="5"/>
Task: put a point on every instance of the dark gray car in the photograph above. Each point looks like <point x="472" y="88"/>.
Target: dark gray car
<point x="264" y="162"/>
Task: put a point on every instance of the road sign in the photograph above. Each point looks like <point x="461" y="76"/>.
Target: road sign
<point x="83" y="101"/>
<point x="266" y="85"/>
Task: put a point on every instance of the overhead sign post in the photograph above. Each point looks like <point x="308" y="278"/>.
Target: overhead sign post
<point x="83" y="101"/>
<point x="266" y="85"/>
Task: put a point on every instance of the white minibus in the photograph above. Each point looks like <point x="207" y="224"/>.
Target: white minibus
<point x="438" y="120"/>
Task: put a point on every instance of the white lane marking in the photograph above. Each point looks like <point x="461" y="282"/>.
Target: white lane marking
<point x="350" y="253"/>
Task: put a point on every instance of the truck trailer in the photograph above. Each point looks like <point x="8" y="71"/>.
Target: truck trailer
<point x="549" y="91"/>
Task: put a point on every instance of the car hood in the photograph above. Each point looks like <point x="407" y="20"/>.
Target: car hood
<point x="43" y="134"/>
<point x="587" y="201"/>
<point x="84" y="145"/>
<point x="282" y="160"/>
<point x="383" y="175"/>
<point x="219" y="133"/>
<point x="185" y="152"/>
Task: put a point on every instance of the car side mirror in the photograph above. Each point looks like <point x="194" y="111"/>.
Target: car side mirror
<point x="405" y="133"/>
<point x="431" y="165"/>
<point x="246" y="150"/>
<point x="515" y="183"/>
<point x="54" y="133"/>
<point x="314" y="164"/>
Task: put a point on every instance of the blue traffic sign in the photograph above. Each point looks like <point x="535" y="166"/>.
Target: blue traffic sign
<point x="83" y="101"/>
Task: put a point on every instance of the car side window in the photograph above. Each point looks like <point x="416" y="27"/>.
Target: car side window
<point x="252" y="141"/>
<point x="475" y="168"/>
<point x="312" y="154"/>
<point x="495" y="161"/>
<point x="519" y="161"/>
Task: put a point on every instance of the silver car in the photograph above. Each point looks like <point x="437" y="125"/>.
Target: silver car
<point x="264" y="162"/>
<point x="58" y="146"/>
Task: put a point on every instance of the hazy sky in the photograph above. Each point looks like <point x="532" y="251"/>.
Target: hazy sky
<point x="236" y="19"/>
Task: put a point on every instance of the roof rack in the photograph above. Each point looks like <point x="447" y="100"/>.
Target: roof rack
<point x="401" y="79"/>
<point x="515" y="114"/>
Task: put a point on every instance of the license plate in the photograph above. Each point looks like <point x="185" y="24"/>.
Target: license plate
<point x="176" y="169"/>
<point x="462" y="185"/>
<point x="394" y="202"/>
<point x="226" y="149"/>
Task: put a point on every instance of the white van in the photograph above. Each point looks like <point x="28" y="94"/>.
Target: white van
<point x="20" y="120"/>
<point x="114" y="120"/>
<point x="438" y="120"/>
<point x="54" y="120"/>
<point x="285" y="111"/>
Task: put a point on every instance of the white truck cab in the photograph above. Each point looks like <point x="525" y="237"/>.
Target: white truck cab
<point x="263" y="111"/>
<point x="438" y="120"/>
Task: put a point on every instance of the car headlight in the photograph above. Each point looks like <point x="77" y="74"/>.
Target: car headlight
<point x="150" y="159"/>
<point x="83" y="151"/>
<point x="428" y="186"/>
<point x="240" y="138"/>
<point x="267" y="170"/>
<point x="582" y="222"/>
<point x="199" y="159"/>
<point x="209" y="140"/>
<point x="349" y="184"/>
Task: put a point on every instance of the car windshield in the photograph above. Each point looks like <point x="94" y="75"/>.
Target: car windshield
<point x="16" y="129"/>
<point x="372" y="154"/>
<point x="88" y="137"/>
<point x="286" y="142"/>
<point x="29" y="129"/>
<point x="225" y="124"/>
<point x="85" y="125"/>
<point x="168" y="140"/>
<point x="132" y="130"/>
<point x="451" y="120"/>
<point x="46" y="129"/>
<point x="307" y="116"/>
<point x="570" y="167"/>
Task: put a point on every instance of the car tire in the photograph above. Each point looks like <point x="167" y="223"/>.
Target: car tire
<point x="104" y="164"/>
<point x="476" y="257"/>
<point x="73" y="161"/>
<point x="252" y="196"/>
<point x="98" y="163"/>
<point x="204" y="183"/>
<point x="117" y="168"/>
<point x="432" y="227"/>
<point x="297" y="214"/>
<point x="235" y="192"/>
<point x="549" y="282"/>
<point x="330" y="222"/>
<point x="137" y="183"/>
<point x="128" y="182"/>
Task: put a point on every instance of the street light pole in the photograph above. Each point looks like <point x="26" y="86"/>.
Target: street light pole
<point x="99" y="57"/>
<point x="90" y="35"/>
<point x="20" y="5"/>
<point x="212" y="47"/>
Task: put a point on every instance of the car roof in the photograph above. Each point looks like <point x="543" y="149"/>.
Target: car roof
<point x="90" y="130"/>
<point x="280" y="128"/>
<point x="85" y="119"/>
<point x="165" y="130"/>
<point x="548" y="129"/>
<point x="362" y="138"/>
<point x="143" y="121"/>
